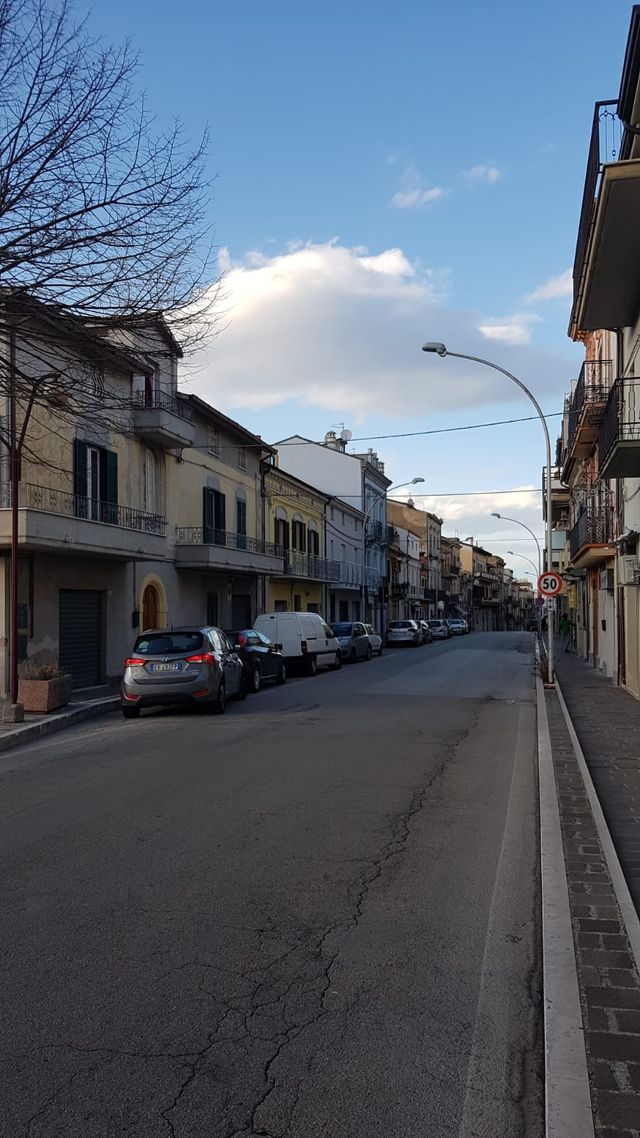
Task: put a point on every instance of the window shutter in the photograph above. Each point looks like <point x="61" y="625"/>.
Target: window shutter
<point x="80" y="478"/>
<point x="241" y="516"/>
<point x="220" y="515"/>
<point x="207" y="515"/>
<point x="111" y="486"/>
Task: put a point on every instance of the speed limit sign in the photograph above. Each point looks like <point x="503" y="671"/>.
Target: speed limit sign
<point x="549" y="584"/>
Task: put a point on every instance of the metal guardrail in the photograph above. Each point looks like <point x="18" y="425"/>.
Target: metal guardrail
<point x="620" y="423"/>
<point x="593" y="527"/>
<point x="306" y="565"/>
<point x="162" y="401"/>
<point x="591" y="392"/>
<point x="604" y="146"/>
<point x="47" y="500"/>
<point x="198" y="535"/>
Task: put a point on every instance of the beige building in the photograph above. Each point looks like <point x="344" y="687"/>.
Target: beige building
<point x="137" y="505"/>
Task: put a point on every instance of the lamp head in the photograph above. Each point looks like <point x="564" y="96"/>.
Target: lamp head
<point x="495" y="515"/>
<point x="431" y="346"/>
<point x="415" y="480"/>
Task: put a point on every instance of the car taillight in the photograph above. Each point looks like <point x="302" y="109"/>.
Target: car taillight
<point x="202" y="658"/>
<point x="241" y="640"/>
<point x="134" y="662"/>
<point x="303" y="646"/>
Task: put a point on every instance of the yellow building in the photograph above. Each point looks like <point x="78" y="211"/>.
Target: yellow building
<point x="296" y="515"/>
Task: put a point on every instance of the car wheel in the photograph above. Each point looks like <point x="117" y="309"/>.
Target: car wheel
<point x="218" y="705"/>
<point x="369" y="652"/>
<point x="312" y="666"/>
<point x="255" y="680"/>
<point x="380" y="650"/>
<point x="416" y="644"/>
<point x="352" y="656"/>
<point x="243" y="690"/>
<point x="337" y="663"/>
<point x="281" y="677"/>
<point x="131" y="712"/>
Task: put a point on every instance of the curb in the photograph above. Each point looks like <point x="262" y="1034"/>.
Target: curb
<point x="568" y="1110"/>
<point x="620" y="887"/>
<point x="32" y="731"/>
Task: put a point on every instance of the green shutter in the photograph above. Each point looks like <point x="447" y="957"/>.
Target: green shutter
<point x="111" y="487"/>
<point x="220" y="517"/>
<point x="207" y="515"/>
<point x="241" y="516"/>
<point x="80" y="478"/>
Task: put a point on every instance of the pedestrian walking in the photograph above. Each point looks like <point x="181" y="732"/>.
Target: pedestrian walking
<point x="565" y="630"/>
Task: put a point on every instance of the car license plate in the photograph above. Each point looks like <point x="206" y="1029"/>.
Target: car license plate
<point x="166" y="667"/>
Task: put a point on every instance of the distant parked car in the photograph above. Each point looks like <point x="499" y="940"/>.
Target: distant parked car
<point x="439" y="629"/>
<point x="305" y="639"/>
<point x="403" y="632"/>
<point x="458" y="627"/>
<point x="261" y="659"/>
<point x="375" y="639"/>
<point x="427" y="635"/>
<point x="172" y="666"/>
<point x="353" y="640"/>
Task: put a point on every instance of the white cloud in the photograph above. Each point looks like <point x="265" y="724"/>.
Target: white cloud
<point x="554" y="289"/>
<point x="410" y="199"/>
<point x="515" y="329"/>
<point x="483" y="174"/>
<point x="414" y="194"/>
<point x="340" y="329"/>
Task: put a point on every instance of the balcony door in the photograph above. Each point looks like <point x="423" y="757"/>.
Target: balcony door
<point x="95" y="482"/>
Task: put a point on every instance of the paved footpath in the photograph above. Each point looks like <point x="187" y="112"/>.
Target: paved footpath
<point x="607" y="722"/>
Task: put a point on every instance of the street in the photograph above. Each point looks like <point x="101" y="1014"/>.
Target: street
<point x="314" y="916"/>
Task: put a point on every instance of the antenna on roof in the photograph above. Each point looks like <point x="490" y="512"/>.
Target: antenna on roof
<point x="346" y="436"/>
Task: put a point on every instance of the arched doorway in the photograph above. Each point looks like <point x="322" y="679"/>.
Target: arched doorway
<point x="150" y="607"/>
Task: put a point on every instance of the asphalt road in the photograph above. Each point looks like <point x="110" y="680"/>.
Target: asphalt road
<point x="315" y="916"/>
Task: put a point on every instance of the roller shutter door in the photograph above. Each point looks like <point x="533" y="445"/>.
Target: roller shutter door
<point x="82" y="636"/>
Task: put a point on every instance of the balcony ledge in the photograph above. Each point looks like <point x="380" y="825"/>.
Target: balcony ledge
<point x="610" y="290"/>
<point x="590" y="555"/>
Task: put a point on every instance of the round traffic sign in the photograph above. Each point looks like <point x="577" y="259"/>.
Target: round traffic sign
<point x="550" y="584"/>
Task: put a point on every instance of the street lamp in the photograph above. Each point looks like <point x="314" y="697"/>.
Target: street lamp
<point x="374" y="502"/>
<point x="441" y="350"/>
<point x="519" y="523"/>
<point x="512" y="554"/>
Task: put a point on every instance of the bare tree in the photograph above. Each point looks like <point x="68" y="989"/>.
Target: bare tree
<point x="101" y="215"/>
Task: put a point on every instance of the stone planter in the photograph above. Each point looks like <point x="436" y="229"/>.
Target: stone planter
<point x="41" y="696"/>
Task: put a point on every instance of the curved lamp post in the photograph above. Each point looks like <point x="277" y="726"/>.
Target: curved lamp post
<point x="441" y="350"/>
<point x="378" y="497"/>
<point x="519" y="523"/>
<point x="521" y="555"/>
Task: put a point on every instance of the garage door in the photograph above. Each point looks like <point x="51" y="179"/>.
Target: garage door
<point x="82" y="636"/>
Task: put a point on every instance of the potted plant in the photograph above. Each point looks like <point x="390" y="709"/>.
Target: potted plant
<point x="42" y="686"/>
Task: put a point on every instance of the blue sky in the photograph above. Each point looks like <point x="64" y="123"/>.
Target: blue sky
<point x="386" y="174"/>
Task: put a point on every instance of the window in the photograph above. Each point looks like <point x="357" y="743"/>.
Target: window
<point x="213" y="517"/>
<point x="280" y="606"/>
<point x="95" y="482"/>
<point x="344" y="610"/>
<point x="297" y="602"/>
<point x="313" y="542"/>
<point x="241" y="523"/>
<point x="242" y="458"/>
<point x="214" y="442"/>
<point x="298" y="535"/>
<point x="313" y="607"/>
<point x="281" y="535"/>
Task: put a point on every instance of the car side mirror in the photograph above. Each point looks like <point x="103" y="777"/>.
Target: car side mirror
<point x="278" y="647"/>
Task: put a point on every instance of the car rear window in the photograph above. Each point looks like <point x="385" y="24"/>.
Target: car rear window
<point x="168" y="643"/>
<point x="434" y="623"/>
<point x="400" y="624"/>
<point x="343" y="628"/>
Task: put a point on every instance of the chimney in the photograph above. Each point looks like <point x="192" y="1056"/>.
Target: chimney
<point x="332" y="441"/>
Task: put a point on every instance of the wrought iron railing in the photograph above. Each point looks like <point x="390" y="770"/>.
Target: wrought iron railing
<point x="591" y="392"/>
<point x="593" y="527"/>
<point x="606" y="139"/>
<point x="621" y="418"/>
<point x="162" y="401"/>
<point x="49" y="501"/>
<point x="398" y="588"/>
<point x="306" y="565"/>
<point x="198" y="535"/>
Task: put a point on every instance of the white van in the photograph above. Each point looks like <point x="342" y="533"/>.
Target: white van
<point x="304" y="638"/>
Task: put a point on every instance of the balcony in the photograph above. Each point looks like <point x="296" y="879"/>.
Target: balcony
<point x="223" y="550"/>
<point x="585" y="410"/>
<point x="376" y="533"/>
<point x="163" y="419"/>
<point x="559" y="495"/>
<point x="619" y="436"/>
<point x="606" y="287"/>
<point x="55" y="520"/>
<point x="306" y="565"/>
<point x="398" y="588"/>
<point x="591" y="539"/>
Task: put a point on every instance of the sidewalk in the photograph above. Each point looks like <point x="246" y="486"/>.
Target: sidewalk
<point x="607" y="723"/>
<point x="84" y="704"/>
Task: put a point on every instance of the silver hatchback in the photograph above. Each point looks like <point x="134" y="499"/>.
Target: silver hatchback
<point x="172" y="666"/>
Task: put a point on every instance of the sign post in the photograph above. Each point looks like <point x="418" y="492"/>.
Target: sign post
<point x="550" y="585"/>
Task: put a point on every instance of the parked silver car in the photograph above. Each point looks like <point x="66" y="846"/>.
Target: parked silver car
<point x="353" y="640"/>
<point x="170" y="666"/>
<point x="439" y="629"/>
<point x="375" y="639"/>
<point x="403" y="632"/>
<point x="458" y="627"/>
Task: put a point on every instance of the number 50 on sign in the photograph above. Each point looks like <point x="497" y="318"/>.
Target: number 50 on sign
<point x="549" y="584"/>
